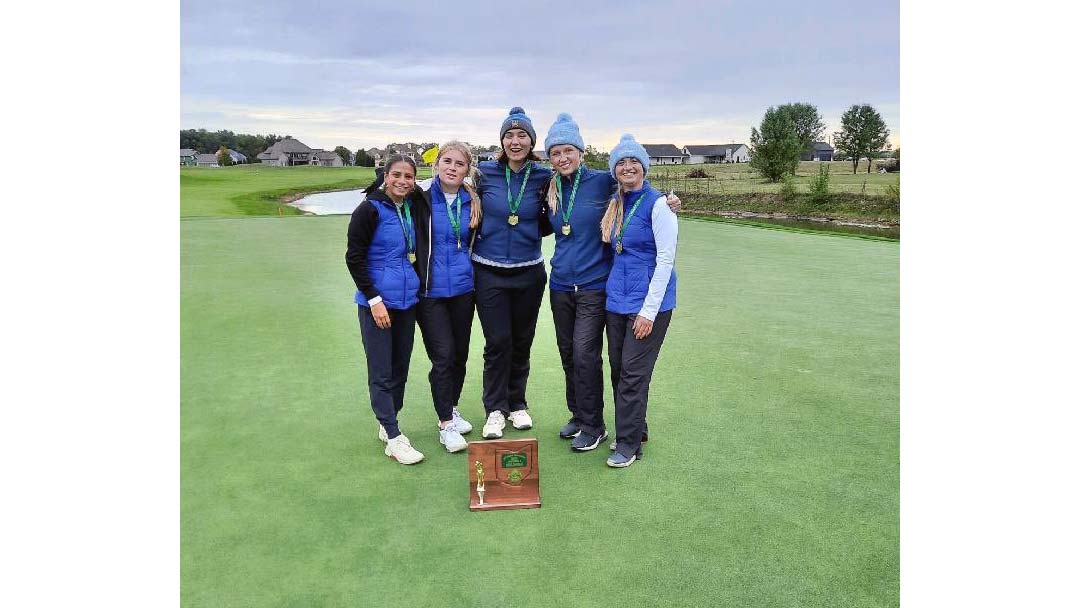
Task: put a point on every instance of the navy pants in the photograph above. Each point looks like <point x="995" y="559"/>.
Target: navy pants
<point x="632" y="362"/>
<point x="508" y="304"/>
<point x="579" y="331"/>
<point x="388" y="352"/>
<point x="446" y="326"/>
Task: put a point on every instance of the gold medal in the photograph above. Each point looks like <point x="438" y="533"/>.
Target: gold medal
<point x="412" y="258"/>
<point x="513" y="219"/>
<point x="566" y="229"/>
<point x="618" y="247"/>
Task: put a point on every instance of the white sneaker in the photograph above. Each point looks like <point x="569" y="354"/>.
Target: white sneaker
<point x="452" y="439"/>
<point x="382" y="434"/>
<point x="493" y="428"/>
<point x="460" y="423"/>
<point x="402" y="451"/>
<point x="521" y="420"/>
<point x="612" y="447"/>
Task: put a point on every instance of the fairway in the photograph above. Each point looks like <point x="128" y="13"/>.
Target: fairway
<point x="771" y="477"/>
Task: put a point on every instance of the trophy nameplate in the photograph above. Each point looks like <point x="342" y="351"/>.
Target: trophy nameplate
<point x="503" y="474"/>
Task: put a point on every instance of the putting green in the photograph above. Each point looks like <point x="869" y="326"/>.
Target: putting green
<point x="772" y="476"/>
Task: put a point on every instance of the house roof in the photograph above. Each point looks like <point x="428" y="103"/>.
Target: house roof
<point x="656" y="150"/>
<point x="187" y="152"/>
<point x="208" y="158"/>
<point x="326" y="155"/>
<point x="712" y="149"/>
<point x="236" y="154"/>
<point x="287" y="145"/>
<point x="822" y="146"/>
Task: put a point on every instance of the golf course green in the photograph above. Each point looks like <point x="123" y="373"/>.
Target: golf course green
<point x="771" y="477"/>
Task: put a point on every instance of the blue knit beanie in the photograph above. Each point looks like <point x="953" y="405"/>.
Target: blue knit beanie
<point x="628" y="148"/>
<point x="518" y="120"/>
<point x="564" y="131"/>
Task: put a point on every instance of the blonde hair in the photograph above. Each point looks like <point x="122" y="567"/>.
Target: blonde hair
<point x="612" y="217"/>
<point x="552" y="193"/>
<point x="476" y="207"/>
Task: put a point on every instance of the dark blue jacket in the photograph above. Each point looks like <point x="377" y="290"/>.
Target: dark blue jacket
<point x="628" y="283"/>
<point x="445" y="269"/>
<point x="377" y="254"/>
<point x="582" y="258"/>
<point x="498" y="242"/>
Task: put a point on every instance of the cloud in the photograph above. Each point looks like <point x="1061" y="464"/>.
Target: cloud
<point x="693" y="72"/>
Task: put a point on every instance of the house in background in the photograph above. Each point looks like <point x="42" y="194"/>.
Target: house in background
<point x="717" y="153"/>
<point x="286" y="153"/>
<point x="664" y="154"/>
<point x="819" y="150"/>
<point x="207" y="160"/>
<point x="325" y="158"/>
<point x="237" y="157"/>
<point x="188" y="157"/>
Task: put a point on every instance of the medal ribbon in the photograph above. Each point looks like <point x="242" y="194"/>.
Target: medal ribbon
<point x="568" y="206"/>
<point x="521" y="193"/>
<point x="406" y="221"/>
<point x="626" y="219"/>
<point x="455" y="221"/>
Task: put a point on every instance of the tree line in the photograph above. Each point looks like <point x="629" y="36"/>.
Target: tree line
<point x="789" y="130"/>
<point x="211" y="142"/>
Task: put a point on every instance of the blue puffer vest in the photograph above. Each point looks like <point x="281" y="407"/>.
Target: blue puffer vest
<point x="628" y="283"/>
<point x="451" y="271"/>
<point x="498" y="241"/>
<point x="582" y="257"/>
<point x="388" y="260"/>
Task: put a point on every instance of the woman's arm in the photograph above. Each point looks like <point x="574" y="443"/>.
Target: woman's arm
<point x="361" y="230"/>
<point x="665" y="228"/>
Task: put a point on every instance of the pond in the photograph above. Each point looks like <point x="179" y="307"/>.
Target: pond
<point x="345" y="201"/>
<point x="330" y="203"/>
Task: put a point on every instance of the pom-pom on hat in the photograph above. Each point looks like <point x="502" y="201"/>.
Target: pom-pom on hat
<point x="518" y="120"/>
<point x="564" y="131"/>
<point x="628" y="148"/>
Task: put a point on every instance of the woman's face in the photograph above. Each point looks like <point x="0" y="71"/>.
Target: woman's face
<point x="453" y="167"/>
<point x="399" y="179"/>
<point x="629" y="173"/>
<point x="517" y="145"/>
<point x="565" y="158"/>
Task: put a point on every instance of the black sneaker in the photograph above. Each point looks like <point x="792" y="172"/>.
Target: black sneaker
<point x="570" y="430"/>
<point x="585" y="442"/>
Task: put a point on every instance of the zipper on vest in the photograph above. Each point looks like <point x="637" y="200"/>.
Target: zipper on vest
<point x="427" y="277"/>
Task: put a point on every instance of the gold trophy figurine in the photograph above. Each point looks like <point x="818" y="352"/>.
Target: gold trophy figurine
<point x="480" y="481"/>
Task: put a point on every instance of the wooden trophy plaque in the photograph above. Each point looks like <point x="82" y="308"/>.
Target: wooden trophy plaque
<point x="503" y="474"/>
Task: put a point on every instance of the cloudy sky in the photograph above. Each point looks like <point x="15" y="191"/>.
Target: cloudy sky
<point x="367" y="74"/>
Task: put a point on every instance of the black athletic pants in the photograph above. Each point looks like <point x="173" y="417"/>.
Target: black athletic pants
<point x="632" y="362"/>
<point x="387" y="352"/>
<point x="579" y="331"/>
<point x="508" y="303"/>
<point x="446" y="326"/>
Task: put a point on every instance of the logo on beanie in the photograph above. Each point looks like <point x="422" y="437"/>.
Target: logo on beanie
<point x="515" y="124"/>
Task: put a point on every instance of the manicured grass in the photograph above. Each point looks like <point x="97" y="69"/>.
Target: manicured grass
<point x="772" y="477"/>
<point x="257" y="190"/>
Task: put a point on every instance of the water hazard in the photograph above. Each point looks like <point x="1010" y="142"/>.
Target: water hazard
<point x="330" y="203"/>
<point x="345" y="201"/>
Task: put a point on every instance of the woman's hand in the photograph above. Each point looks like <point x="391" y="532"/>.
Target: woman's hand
<point x="642" y="327"/>
<point x="674" y="202"/>
<point x="382" y="317"/>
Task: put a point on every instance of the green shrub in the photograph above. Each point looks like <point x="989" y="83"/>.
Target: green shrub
<point x="788" y="191"/>
<point x="819" y="186"/>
